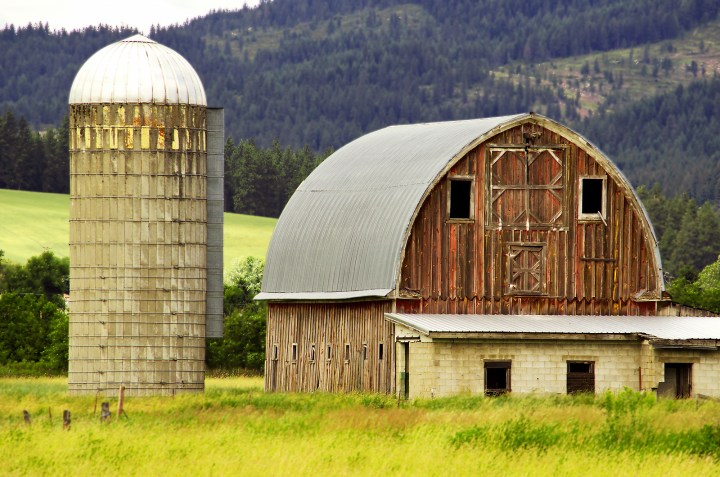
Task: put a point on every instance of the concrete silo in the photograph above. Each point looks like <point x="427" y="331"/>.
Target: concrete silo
<point x="146" y="157"/>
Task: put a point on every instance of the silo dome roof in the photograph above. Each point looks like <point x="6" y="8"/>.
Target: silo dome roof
<point x="137" y="70"/>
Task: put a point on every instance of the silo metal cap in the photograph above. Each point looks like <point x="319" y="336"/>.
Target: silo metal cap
<point x="137" y="70"/>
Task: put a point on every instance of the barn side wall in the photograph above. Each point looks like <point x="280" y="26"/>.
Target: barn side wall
<point x="588" y="266"/>
<point x="300" y="334"/>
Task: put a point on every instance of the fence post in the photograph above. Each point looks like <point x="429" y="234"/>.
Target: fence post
<point x="105" y="412"/>
<point x="66" y="420"/>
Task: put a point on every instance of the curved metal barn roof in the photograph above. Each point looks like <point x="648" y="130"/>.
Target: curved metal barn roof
<point x="137" y="70"/>
<point x="342" y="234"/>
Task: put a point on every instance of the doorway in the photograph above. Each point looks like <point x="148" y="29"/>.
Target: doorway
<point x="678" y="381"/>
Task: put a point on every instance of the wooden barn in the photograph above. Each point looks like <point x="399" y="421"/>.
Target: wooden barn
<point x="479" y="256"/>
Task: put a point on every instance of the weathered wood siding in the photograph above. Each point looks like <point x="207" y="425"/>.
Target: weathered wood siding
<point x="334" y="325"/>
<point x="585" y="266"/>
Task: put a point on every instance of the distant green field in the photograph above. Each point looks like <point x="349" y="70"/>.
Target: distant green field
<point x="31" y="222"/>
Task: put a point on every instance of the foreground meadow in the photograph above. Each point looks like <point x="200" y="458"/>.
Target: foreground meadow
<point x="236" y="429"/>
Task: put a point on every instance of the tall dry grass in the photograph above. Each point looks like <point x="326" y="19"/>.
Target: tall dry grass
<point x="236" y="429"/>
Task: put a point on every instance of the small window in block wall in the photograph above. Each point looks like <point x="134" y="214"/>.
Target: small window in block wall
<point x="460" y="198"/>
<point x="380" y="351"/>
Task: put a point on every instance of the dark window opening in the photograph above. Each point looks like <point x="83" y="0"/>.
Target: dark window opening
<point x="380" y="351"/>
<point x="497" y="378"/>
<point x="365" y="348"/>
<point x="460" y="199"/>
<point x="275" y="353"/>
<point x="312" y="352"/>
<point x="347" y="351"/>
<point x="580" y="377"/>
<point x="294" y="351"/>
<point x="328" y="352"/>
<point x="678" y="381"/>
<point x="592" y="196"/>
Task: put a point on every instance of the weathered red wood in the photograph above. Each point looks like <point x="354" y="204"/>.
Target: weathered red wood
<point x="469" y="260"/>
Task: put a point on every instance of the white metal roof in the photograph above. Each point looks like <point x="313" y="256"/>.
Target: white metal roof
<point x="343" y="229"/>
<point x="661" y="327"/>
<point x="137" y="70"/>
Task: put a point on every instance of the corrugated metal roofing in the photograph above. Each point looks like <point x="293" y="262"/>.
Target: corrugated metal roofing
<point x="662" y="327"/>
<point x="137" y="70"/>
<point x="343" y="229"/>
<point x="342" y="233"/>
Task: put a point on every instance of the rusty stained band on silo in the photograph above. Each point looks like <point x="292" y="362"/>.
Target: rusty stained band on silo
<point x="138" y="231"/>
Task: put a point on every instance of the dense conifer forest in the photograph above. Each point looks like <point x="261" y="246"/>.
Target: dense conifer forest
<point x="298" y="78"/>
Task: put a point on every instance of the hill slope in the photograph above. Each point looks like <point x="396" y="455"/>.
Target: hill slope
<point x="31" y="222"/>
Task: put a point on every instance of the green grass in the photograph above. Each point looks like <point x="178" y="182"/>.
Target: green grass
<point x="236" y="429"/>
<point x="31" y="222"/>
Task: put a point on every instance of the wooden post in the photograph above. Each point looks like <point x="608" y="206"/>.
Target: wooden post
<point x="105" y="412"/>
<point x="66" y="420"/>
<point x="121" y="400"/>
<point x="26" y="417"/>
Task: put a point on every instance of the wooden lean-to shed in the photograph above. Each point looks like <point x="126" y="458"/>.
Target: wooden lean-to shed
<point x="484" y="219"/>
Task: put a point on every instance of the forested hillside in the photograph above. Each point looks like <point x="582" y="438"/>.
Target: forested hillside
<point x="319" y="73"/>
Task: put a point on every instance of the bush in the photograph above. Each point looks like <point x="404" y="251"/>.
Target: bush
<point x="243" y="343"/>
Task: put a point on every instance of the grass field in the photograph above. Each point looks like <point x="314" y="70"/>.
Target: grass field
<point x="31" y="222"/>
<point x="236" y="429"/>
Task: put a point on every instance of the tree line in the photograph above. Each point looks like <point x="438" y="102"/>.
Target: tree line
<point x="33" y="161"/>
<point x="34" y="324"/>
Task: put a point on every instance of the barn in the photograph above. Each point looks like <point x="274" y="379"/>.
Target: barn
<point x="482" y="256"/>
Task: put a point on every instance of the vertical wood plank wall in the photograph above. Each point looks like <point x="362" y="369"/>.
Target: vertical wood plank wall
<point x="334" y="325"/>
<point x="592" y="267"/>
<point x="138" y="234"/>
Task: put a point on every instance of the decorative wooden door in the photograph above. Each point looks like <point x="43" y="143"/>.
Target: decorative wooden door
<point x="526" y="274"/>
<point x="526" y="187"/>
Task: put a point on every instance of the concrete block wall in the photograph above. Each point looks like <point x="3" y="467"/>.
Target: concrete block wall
<point x="446" y="368"/>
<point x="705" y="368"/>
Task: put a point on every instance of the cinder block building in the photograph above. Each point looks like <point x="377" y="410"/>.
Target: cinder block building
<point x="483" y="256"/>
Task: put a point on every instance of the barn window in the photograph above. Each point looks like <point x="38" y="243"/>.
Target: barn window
<point x="275" y="352"/>
<point x="380" y="351"/>
<point x="580" y="377"/>
<point x="460" y="198"/>
<point x="347" y="352"/>
<point x="497" y="377"/>
<point x="365" y="349"/>
<point x="294" y="352"/>
<point x="312" y="352"/>
<point x="526" y="269"/>
<point x="592" y="198"/>
<point x="328" y="352"/>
